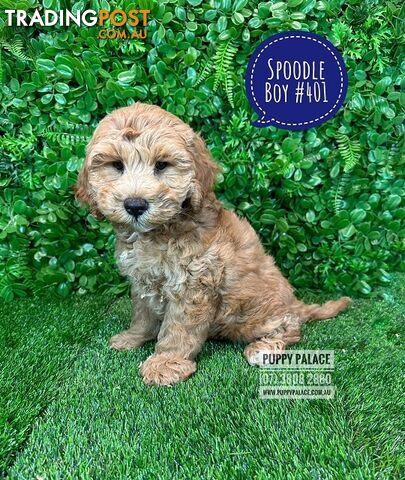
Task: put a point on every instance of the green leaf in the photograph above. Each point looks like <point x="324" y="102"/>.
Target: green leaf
<point x="62" y="87"/>
<point x="393" y="201"/>
<point x="365" y="288"/>
<point x="126" y="77"/>
<point x="60" y="99"/>
<point x="360" y="74"/>
<point x="358" y="215"/>
<point x="282" y="224"/>
<point x="47" y="98"/>
<point x="192" y="26"/>
<point x="310" y="216"/>
<point x="289" y="145"/>
<point x="45" y="65"/>
<point x="180" y="13"/>
<point x="268" y="219"/>
<point x="238" y="18"/>
<point x="20" y="207"/>
<point x="63" y="289"/>
<point x="348" y="231"/>
<point x="239" y="4"/>
<point x="381" y="85"/>
<point x="335" y="171"/>
<point x="64" y="71"/>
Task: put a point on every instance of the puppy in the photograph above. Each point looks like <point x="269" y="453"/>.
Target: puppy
<point x="196" y="270"/>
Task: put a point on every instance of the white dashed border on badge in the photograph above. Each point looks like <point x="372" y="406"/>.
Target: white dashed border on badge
<point x="300" y="123"/>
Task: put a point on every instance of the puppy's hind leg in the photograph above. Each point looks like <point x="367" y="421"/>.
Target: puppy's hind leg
<point x="288" y="330"/>
<point x="145" y="326"/>
<point x="274" y="335"/>
<point x="276" y="342"/>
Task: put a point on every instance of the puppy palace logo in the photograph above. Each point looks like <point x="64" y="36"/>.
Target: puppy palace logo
<point x="297" y="374"/>
<point x="131" y="24"/>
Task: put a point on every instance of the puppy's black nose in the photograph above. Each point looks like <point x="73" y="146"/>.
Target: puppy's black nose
<point x="135" y="206"/>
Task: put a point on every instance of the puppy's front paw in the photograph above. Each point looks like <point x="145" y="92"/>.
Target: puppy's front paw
<point x="254" y="351"/>
<point x="166" y="369"/>
<point x="124" y="341"/>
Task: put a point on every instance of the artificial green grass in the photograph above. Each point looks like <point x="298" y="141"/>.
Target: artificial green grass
<point x="101" y="422"/>
<point x="39" y="340"/>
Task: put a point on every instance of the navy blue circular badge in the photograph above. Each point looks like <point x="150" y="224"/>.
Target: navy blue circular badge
<point x="295" y="81"/>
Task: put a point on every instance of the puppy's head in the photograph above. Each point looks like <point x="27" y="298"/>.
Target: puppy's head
<point x="143" y="167"/>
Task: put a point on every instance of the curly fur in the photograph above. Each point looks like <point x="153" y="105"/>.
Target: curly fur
<point x="196" y="269"/>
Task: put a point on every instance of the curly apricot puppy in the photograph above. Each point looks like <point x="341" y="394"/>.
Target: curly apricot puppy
<point x="196" y="269"/>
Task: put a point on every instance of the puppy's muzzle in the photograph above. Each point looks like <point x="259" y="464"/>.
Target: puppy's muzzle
<point x="136" y="206"/>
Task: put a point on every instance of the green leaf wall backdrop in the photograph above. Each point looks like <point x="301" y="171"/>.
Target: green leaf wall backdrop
<point x="326" y="202"/>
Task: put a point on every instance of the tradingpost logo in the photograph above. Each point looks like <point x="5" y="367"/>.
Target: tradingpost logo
<point x="137" y="20"/>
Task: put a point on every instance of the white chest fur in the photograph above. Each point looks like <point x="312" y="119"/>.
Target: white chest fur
<point x="158" y="272"/>
<point x="162" y="272"/>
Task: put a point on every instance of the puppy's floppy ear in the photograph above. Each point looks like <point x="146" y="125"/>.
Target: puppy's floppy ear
<point x="205" y="171"/>
<point x="82" y="189"/>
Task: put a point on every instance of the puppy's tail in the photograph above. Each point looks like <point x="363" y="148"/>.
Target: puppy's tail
<point x="320" y="312"/>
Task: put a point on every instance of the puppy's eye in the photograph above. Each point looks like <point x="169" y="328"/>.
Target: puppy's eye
<point x="118" y="165"/>
<point x="159" y="166"/>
